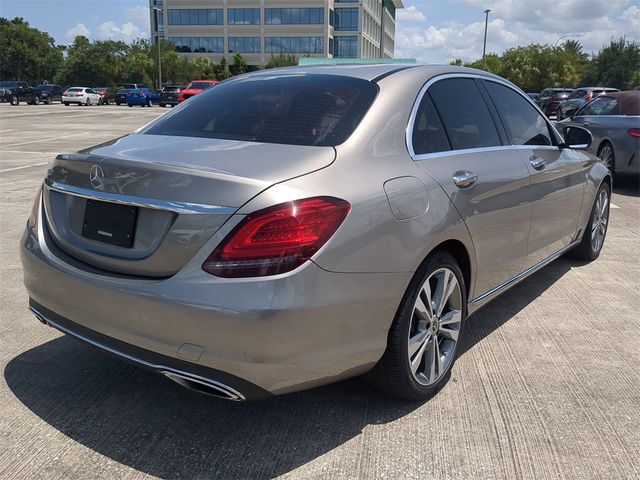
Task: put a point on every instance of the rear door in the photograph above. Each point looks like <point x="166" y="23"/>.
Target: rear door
<point x="455" y="139"/>
<point x="557" y="175"/>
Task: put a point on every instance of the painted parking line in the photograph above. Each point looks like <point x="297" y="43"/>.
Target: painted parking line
<point x="22" y="167"/>
<point x="613" y="205"/>
<point x="59" y="137"/>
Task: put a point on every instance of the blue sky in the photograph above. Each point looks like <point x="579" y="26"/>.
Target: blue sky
<point x="435" y="31"/>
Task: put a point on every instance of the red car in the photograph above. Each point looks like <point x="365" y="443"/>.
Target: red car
<point x="195" y="88"/>
<point x="104" y="95"/>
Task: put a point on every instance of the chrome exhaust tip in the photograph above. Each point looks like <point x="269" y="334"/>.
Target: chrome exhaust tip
<point x="204" y="385"/>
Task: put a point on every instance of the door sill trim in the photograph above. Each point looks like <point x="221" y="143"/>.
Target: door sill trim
<point x="486" y="297"/>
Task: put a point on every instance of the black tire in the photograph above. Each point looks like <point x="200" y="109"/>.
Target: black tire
<point x="129" y="105"/>
<point x="587" y="249"/>
<point x="392" y="373"/>
<point x="66" y="104"/>
<point x="162" y="105"/>
<point x="48" y="101"/>
<point x="88" y="102"/>
<point x="118" y="103"/>
<point x="607" y="155"/>
<point x="14" y="100"/>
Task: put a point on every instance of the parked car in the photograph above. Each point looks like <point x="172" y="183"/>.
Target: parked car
<point x="16" y="92"/>
<point x="195" y="88"/>
<point x="290" y="228"/>
<point x="145" y="97"/>
<point x="121" y="95"/>
<point x="578" y="98"/>
<point x="169" y="95"/>
<point x="49" y="93"/>
<point x="81" y="96"/>
<point x="106" y="94"/>
<point x="550" y="98"/>
<point x="614" y="121"/>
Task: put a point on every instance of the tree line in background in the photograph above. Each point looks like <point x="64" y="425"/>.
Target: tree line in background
<point x="31" y="55"/>
<point x="535" y="67"/>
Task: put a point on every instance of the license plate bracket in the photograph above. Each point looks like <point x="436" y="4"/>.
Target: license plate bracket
<point x="110" y="223"/>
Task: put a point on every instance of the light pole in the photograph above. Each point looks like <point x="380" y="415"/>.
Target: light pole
<point x="484" y="47"/>
<point x="565" y="36"/>
<point x="158" y="10"/>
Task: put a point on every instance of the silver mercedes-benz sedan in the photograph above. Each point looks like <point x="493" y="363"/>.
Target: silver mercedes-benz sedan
<point x="290" y="228"/>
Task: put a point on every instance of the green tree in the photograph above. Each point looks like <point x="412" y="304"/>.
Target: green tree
<point x="27" y="53"/>
<point x="222" y="71"/>
<point x="457" y="62"/>
<point x="282" y="60"/>
<point x="616" y="65"/>
<point x="239" y="65"/>
<point x="204" y="68"/>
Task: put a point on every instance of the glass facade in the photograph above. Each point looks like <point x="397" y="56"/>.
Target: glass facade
<point x="294" y="45"/>
<point x="243" y="16"/>
<point x="244" y="45"/>
<point x="346" y="19"/>
<point x="345" y="47"/>
<point x="198" y="44"/>
<point x="195" y="16"/>
<point x="293" y="16"/>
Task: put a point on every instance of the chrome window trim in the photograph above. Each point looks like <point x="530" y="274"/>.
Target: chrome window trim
<point x="167" y="205"/>
<point x="418" y="101"/>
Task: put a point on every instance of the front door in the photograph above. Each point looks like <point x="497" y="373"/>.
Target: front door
<point x="455" y="140"/>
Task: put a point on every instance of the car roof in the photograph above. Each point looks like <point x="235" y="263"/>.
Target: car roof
<point x="374" y="72"/>
<point x="629" y="101"/>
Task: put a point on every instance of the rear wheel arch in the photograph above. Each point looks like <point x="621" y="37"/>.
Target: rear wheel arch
<point x="460" y="253"/>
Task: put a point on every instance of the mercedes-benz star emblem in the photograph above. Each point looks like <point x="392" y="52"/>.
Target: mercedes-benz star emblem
<point x="96" y="176"/>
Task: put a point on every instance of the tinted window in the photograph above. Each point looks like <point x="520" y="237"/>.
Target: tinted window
<point x="428" y="133"/>
<point x="202" y="85"/>
<point x="601" y="106"/>
<point x="466" y="117"/>
<point x="316" y="109"/>
<point x="578" y="94"/>
<point x="523" y="123"/>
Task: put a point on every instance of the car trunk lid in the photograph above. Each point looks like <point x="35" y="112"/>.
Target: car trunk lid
<point x="179" y="190"/>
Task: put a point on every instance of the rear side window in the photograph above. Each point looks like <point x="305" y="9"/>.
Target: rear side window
<point x="601" y="106"/>
<point x="523" y="123"/>
<point x="296" y="109"/>
<point x="428" y="132"/>
<point x="466" y="117"/>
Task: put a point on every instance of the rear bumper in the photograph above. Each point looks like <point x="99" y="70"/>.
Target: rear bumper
<point x="261" y="336"/>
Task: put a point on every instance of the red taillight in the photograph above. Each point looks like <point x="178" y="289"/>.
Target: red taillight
<point x="634" y="132"/>
<point x="589" y="96"/>
<point x="277" y="239"/>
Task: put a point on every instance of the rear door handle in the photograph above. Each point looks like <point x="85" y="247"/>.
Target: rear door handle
<point x="464" y="179"/>
<point x="537" y="162"/>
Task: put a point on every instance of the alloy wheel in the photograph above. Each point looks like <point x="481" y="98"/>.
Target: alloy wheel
<point x="600" y="220"/>
<point x="606" y="155"/>
<point x="435" y="327"/>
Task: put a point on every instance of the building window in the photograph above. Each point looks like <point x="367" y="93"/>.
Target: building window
<point x="243" y="16"/>
<point x="198" y="44"/>
<point x="244" y="45"/>
<point x="346" y="19"/>
<point x="195" y="16"/>
<point x="294" y="45"/>
<point x="345" y="47"/>
<point x="294" y="16"/>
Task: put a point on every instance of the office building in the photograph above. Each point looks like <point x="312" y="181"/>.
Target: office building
<point x="259" y="29"/>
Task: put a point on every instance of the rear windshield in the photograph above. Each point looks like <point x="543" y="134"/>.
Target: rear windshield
<point x="202" y="85"/>
<point x="562" y="93"/>
<point x="130" y="86"/>
<point x="8" y="84"/>
<point x="170" y="89"/>
<point x="297" y="109"/>
<point x="75" y="90"/>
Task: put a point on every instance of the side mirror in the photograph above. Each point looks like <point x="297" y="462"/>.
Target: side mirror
<point x="577" y="137"/>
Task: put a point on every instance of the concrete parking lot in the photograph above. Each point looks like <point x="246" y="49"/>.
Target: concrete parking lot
<point x="547" y="385"/>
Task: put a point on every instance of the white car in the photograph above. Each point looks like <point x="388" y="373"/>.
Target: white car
<point x="81" y="96"/>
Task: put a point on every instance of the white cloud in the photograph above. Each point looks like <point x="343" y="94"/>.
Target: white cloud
<point x="111" y="31"/>
<point x="411" y="14"/>
<point x="77" y="30"/>
<point x="139" y="16"/>
<point x="517" y="23"/>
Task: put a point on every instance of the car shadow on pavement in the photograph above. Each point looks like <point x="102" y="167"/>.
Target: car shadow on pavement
<point x="140" y="419"/>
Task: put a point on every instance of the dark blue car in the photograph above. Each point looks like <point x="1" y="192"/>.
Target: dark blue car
<point x="145" y="97"/>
